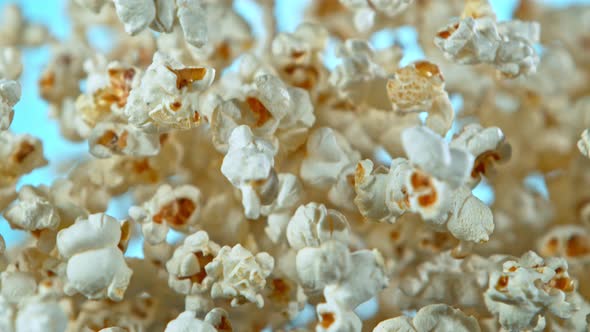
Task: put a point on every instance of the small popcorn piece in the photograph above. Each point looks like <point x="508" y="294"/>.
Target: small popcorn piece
<point x="334" y="317"/>
<point x="239" y="275"/>
<point x="108" y="139"/>
<point x="313" y="224"/>
<point x="366" y="10"/>
<point x="569" y="241"/>
<point x="488" y="145"/>
<point x="136" y="15"/>
<point x="168" y="96"/>
<point x="186" y="268"/>
<point x="434" y="317"/>
<point x="528" y="289"/>
<point x="17" y="286"/>
<point x="249" y="166"/>
<point x="414" y="87"/>
<point x="42" y="316"/>
<point x="365" y="280"/>
<point x="33" y="211"/>
<point x="178" y="208"/>
<point x="433" y="155"/>
<point x="9" y="96"/>
<point x="20" y="153"/>
<point x="584" y="143"/>
<point x="11" y="66"/>
<point x="96" y="267"/>
<point x="320" y="266"/>
<point x="188" y="321"/>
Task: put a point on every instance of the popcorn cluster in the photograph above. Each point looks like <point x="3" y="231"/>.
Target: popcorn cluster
<point x="266" y="181"/>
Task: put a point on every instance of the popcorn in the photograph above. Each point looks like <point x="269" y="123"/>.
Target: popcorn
<point x="42" y="316"/>
<point x="333" y="317"/>
<point x="33" y="212"/>
<point x="584" y="143"/>
<point x="9" y="96"/>
<point x="324" y="265"/>
<point x="365" y="10"/>
<point x="248" y="165"/>
<point x="168" y="95"/>
<point x="528" y="289"/>
<point x="178" y="208"/>
<point x="96" y="267"/>
<point x="160" y="16"/>
<point x="506" y="45"/>
<point x="434" y="317"/>
<point x="487" y="145"/>
<point x="239" y="275"/>
<point x="186" y="267"/>
<point x="11" y="65"/>
<point x="107" y="139"/>
<point x="313" y="224"/>
<point x="21" y="153"/>
<point x="187" y="321"/>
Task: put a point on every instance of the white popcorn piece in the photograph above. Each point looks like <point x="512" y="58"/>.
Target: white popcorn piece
<point x="470" y="220"/>
<point x="186" y="267"/>
<point x="528" y="289"/>
<point x="160" y="15"/>
<point x="20" y="153"/>
<point x="433" y="155"/>
<point x="434" y="317"/>
<point x="568" y="241"/>
<point x="168" y="96"/>
<point x="584" y="143"/>
<point x="290" y="194"/>
<point x="107" y="139"/>
<point x="313" y="224"/>
<point x="324" y="265"/>
<point x="11" y="65"/>
<point x="9" y="96"/>
<point x="330" y="164"/>
<point x="239" y="275"/>
<point x="187" y="321"/>
<point x="42" y="316"/>
<point x="178" y="208"/>
<point x="366" y="10"/>
<point x="32" y="212"/>
<point x="507" y="46"/>
<point x="17" y="286"/>
<point x="334" y="317"/>
<point x="96" y="267"/>
<point x="488" y="145"/>
<point x="365" y="280"/>
<point x="249" y="166"/>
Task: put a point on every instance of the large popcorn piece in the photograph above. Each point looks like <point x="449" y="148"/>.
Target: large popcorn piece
<point x="313" y="224"/>
<point x="33" y="212"/>
<point x="38" y="316"/>
<point x="9" y="96"/>
<point x="240" y="275"/>
<point x="161" y="16"/>
<point x="168" y="96"/>
<point x="435" y="318"/>
<point x="508" y="46"/>
<point x="528" y="289"/>
<point x="366" y="10"/>
<point x="329" y="165"/>
<point x="186" y="268"/>
<point x="177" y="208"/>
<point x="96" y="267"/>
<point x="20" y="154"/>
<point x="249" y="166"/>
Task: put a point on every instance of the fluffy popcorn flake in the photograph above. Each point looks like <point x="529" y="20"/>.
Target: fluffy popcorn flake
<point x="528" y="289"/>
<point x="239" y="275"/>
<point x="9" y="95"/>
<point x="434" y="317"/>
<point x="177" y="208"/>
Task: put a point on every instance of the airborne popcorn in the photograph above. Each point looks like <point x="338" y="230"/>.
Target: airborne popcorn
<point x="378" y="165"/>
